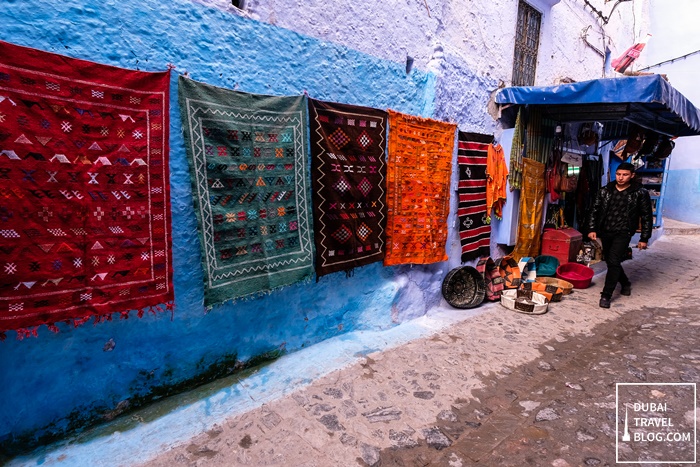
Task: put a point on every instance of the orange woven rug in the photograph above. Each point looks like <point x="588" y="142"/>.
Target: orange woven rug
<point x="418" y="189"/>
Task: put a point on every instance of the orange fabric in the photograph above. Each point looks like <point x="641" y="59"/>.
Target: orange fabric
<point x="418" y="189"/>
<point x="496" y="175"/>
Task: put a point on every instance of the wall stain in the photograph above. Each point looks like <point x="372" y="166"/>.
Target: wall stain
<point x="84" y="418"/>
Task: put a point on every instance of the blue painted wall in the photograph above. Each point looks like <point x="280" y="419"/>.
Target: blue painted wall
<point x="682" y="198"/>
<point x="59" y="382"/>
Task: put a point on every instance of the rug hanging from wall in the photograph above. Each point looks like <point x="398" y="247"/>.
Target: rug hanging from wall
<point x="84" y="197"/>
<point x="248" y="166"/>
<point x="474" y="228"/>
<point x="348" y="172"/>
<point x="418" y="189"/>
<point x="531" y="210"/>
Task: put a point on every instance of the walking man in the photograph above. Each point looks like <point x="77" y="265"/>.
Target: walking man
<point x="616" y="214"/>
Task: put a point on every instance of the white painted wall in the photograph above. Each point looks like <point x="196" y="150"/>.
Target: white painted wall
<point x="674" y="34"/>
<point x="468" y="43"/>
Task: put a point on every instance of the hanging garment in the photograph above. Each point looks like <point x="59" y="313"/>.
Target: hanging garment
<point x="248" y="166"/>
<point x="531" y="210"/>
<point x="85" y="182"/>
<point x="588" y="185"/>
<point x="539" y="135"/>
<point x="418" y="189"/>
<point x="348" y="175"/>
<point x="515" y="177"/>
<point x="474" y="230"/>
<point x="496" y="178"/>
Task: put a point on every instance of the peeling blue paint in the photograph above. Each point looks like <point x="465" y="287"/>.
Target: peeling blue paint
<point x="58" y="383"/>
<point x="185" y="417"/>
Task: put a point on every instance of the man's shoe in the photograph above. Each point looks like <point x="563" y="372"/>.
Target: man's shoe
<point x="604" y="302"/>
<point x="626" y="290"/>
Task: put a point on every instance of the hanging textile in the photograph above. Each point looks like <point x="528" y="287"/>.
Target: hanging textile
<point x="589" y="182"/>
<point x="85" y="196"/>
<point x="496" y="175"/>
<point x="531" y="207"/>
<point x="247" y="157"/>
<point x="515" y="177"/>
<point x="539" y="136"/>
<point x="348" y="172"/>
<point x="418" y="189"/>
<point x="474" y="230"/>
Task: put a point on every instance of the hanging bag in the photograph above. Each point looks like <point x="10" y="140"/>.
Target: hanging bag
<point x="634" y="141"/>
<point x="568" y="183"/>
<point x="664" y="148"/>
<point x="553" y="175"/>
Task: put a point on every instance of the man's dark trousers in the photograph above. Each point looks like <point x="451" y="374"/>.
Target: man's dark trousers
<point x="615" y="250"/>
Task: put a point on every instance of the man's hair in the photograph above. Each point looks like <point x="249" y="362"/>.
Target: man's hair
<point x="625" y="166"/>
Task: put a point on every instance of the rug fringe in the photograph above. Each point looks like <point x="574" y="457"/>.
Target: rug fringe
<point x="24" y="333"/>
<point x="308" y="279"/>
<point x="80" y="321"/>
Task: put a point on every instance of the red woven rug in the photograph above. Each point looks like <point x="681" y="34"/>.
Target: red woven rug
<point x="474" y="229"/>
<point x="84" y="194"/>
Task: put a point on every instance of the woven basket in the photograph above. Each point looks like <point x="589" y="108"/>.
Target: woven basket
<point x="492" y="278"/>
<point x="464" y="287"/>
<point x="524" y="301"/>
<point x="566" y="287"/>
<point x="528" y="269"/>
<point x="546" y="265"/>
<point x="551" y="292"/>
<point x="510" y="272"/>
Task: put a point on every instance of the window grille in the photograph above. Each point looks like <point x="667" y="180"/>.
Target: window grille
<point x="527" y="41"/>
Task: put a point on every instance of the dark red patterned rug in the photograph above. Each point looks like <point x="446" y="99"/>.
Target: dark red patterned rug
<point x="84" y="194"/>
<point x="348" y="172"/>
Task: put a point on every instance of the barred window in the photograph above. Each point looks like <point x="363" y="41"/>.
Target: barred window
<point x="527" y="41"/>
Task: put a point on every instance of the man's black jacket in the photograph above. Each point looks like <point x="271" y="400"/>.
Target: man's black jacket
<point x="638" y="207"/>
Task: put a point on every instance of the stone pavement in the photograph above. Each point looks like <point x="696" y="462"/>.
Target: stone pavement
<point x="500" y="388"/>
<point x="674" y="227"/>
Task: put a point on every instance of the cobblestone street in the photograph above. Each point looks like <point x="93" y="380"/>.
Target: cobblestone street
<point x="500" y="388"/>
<point x="560" y="410"/>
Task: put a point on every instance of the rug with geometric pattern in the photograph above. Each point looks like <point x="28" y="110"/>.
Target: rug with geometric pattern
<point x="248" y="166"/>
<point x="418" y="189"/>
<point x="84" y="190"/>
<point x="348" y="172"/>
<point x="474" y="228"/>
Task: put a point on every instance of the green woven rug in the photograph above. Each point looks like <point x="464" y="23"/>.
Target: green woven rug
<point x="247" y="155"/>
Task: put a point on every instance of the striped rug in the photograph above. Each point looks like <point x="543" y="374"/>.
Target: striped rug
<point x="474" y="231"/>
